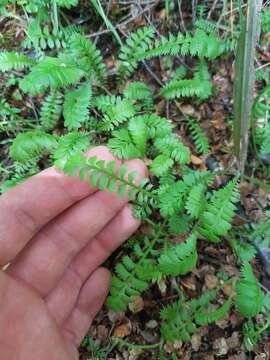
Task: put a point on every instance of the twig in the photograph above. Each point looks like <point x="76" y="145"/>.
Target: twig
<point x="182" y="22"/>
<point x="120" y="25"/>
<point x="263" y="66"/>
<point x="212" y="9"/>
<point x="194" y="11"/>
<point x="154" y="76"/>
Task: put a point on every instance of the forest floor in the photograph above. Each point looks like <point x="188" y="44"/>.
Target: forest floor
<point x="137" y="329"/>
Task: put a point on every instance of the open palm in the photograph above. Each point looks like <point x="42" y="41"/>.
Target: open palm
<point x="55" y="232"/>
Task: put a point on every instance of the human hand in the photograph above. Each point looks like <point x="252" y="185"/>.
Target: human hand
<point x="55" y="232"/>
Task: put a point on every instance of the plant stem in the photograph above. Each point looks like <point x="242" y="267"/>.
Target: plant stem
<point x="55" y="16"/>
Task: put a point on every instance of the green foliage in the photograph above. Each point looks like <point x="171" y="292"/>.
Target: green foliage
<point x="136" y="43"/>
<point x="244" y="252"/>
<point x="201" y="44"/>
<point x="249" y="299"/>
<point x="196" y="201"/>
<point x="76" y="106"/>
<point x="67" y="3"/>
<point x="180" y="319"/>
<point x="51" y="73"/>
<point x="253" y="332"/>
<point x="199" y="86"/>
<point x="265" y="20"/>
<point x="14" y="61"/>
<point x="139" y="91"/>
<point x="260" y="113"/>
<point x="115" y="110"/>
<point x="41" y="36"/>
<point x="104" y="176"/>
<point x="77" y="99"/>
<point x="51" y="110"/>
<point x="125" y="285"/>
<point x="69" y="145"/>
<point x="217" y="216"/>
<point x="32" y="144"/>
<point x="260" y="233"/>
<point x="199" y="137"/>
<point x="87" y="57"/>
<point x="179" y="259"/>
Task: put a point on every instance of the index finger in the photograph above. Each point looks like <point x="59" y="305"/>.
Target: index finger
<point x="25" y="209"/>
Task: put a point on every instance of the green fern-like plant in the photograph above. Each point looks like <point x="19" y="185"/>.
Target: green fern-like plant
<point x="14" y="61"/>
<point x="115" y="111"/>
<point x="249" y="300"/>
<point x="141" y="93"/>
<point x="217" y="216"/>
<point x="51" y="110"/>
<point x="32" y="144"/>
<point x="136" y="43"/>
<point x="51" y="73"/>
<point x="68" y="146"/>
<point x="76" y="106"/>
<point x="181" y="319"/>
<point x="199" y="137"/>
<point x="88" y="58"/>
<point x="179" y="259"/>
<point x="199" y="86"/>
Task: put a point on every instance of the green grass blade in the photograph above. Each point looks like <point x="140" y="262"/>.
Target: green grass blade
<point x="244" y="79"/>
<point x="99" y="9"/>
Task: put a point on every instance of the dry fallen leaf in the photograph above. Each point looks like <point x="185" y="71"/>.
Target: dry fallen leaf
<point x="221" y="347"/>
<point x="196" y="341"/>
<point x="122" y="330"/>
<point x="211" y="281"/>
<point x="136" y="305"/>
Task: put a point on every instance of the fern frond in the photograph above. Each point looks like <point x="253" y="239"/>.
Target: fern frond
<point x="199" y="137"/>
<point x="138" y="132"/>
<point x="199" y="86"/>
<point x="67" y="3"/>
<point x="196" y="201"/>
<point x="137" y="43"/>
<point x="207" y="26"/>
<point x="125" y="285"/>
<point x="186" y="88"/>
<point x="157" y="126"/>
<point x="115" y="110"/>
<point x="163" y="46"/>
<point x="179" y="259"/>
<point x="50" y="73"/>
<point x="140" y="91"/>
<point x="14" y="61"/>
<point x="104" y="176"/>
<point x="173" y="148"/>
<point x="261" y="233"/>
<point x="177" y="324"/>
<point x="122" y="145"/>
<point x="193" y="177"/>
<point x="51" y="110"/>
<point x="249" y="296"/>
<point x="69" y="145"/>
<point x="217" y="217"/>
<point x="76" y="106"/>
<point x="244" y="252"/>
<point x="88" y="58"/>
<point x="161" y="164"/>
<point x="201" y="44"/>
<point x="172" y="197"/>
<point x="178" y="224"/>
<point x="203" y="317"/>
<point x="32" y="144"/>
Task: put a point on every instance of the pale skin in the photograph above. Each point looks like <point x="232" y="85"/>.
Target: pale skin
<point x="55" y="232"/>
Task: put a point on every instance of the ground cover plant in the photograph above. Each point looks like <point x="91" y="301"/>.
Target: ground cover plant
<point x="152" y="80"/>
